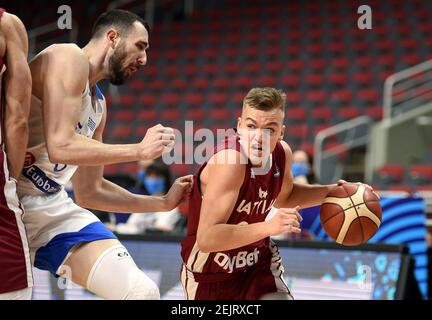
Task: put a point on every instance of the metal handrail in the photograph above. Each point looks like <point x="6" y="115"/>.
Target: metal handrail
<point x="391" y="81"/>
<point x="47" y="28"/>
<point x="334" y="130"/>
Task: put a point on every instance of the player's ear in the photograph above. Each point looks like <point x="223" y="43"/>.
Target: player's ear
<point x="112" y="36"/>
<point x="238" y="123"/>
<point x="282" y="132"/>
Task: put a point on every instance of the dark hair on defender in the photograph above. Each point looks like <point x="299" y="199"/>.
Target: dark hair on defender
<point x="122" y="20"/>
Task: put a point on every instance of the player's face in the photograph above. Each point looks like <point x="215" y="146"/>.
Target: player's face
<point x="260" y="131"/>
<point x="129" y="55"/>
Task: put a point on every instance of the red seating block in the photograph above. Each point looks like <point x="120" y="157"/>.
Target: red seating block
<point x="123" y="115"/>
<point x="421" y="172"/>
<point x="347" y="113"/>
<point x="393" y="172"/>
<point x="296" y="113"/>
<point x="322" y="113"/>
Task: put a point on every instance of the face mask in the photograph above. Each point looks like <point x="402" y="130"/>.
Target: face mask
<point x="141" y="176"/>
<point x="299" y="169"/>
<point x="154" y="185"/>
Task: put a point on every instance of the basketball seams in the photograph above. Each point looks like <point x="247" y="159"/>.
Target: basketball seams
<point x="358" y="219"/>
<point x="333" y="215"/>
<point x="364" y="204"/>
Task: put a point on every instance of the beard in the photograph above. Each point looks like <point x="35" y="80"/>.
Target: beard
<point x="116" y="70"/>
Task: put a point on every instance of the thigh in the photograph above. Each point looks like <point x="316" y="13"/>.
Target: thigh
<point x="82" y="258"/>
<point x="232" y="289"/>
<point x="267" y="279"/>
<point x="23" y="294"/>
<point x="15" y="264"/>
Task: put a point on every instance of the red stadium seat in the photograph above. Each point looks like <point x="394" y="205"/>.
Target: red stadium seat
<point x="195" y="114"/>
<point x="290" y="80"/>
<point x="317" y="96"/>
<point x="137" y="85"/>
<point x="147" y="115"/>
<point x="421" y="173"/>
<point x="320" y="127"/>
<point x="121" y="131"/>
<point x="322" y="113"/>
<point x="298" y="114"/>
<point x="267" y="81"/>
<point x="179" y="84"/>
<point x="338" y="79"/>
<point x="391" y="172"/>
<point x="222" y="114"/>
<point x="347" y="113"/>
<point x="170" y="114"/>
<point x="193" y="98"/>
<point x="344" y="96"/>
<point x="124" y="115"/>
<point x="314" y="79"/>
<point x="170" y="99"/>
<point x="126" y="99"/>
<point x="375" y="112"/>
<point x="220" y="98"/>
<point x="299" y="131"/>
<point x="369" y="95"/>
<point x="147" y="99"/>
<point x="400" y="187"/>
<point x="221" y="82"/>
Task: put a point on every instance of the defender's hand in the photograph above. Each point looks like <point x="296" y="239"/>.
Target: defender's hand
<point x="180" y="188"/>
<point x="158" y="140"/>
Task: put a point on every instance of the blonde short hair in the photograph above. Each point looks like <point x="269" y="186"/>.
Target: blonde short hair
<point x="265" y="99"/>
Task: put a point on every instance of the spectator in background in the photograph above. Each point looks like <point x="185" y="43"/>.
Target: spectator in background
<point x="302" y="167"/>
<point x="142" y="168"/>
<point x="153" y="179"/>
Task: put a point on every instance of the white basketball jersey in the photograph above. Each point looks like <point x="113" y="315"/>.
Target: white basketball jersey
<point x="39" y="175"/>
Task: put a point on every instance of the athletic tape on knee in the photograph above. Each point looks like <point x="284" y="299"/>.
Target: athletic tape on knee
<point x="115" y="276"/>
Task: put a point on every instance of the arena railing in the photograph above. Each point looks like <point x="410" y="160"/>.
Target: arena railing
<point x="45" y="30"/>
<point x="407" y="89"/>
<point x="351" y="140"/>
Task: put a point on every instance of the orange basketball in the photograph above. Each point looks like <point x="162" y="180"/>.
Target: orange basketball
<point x="351" y="214"/>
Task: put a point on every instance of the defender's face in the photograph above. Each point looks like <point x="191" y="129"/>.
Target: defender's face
<point x="129" y="54"/>
<point x="260" y="131"/>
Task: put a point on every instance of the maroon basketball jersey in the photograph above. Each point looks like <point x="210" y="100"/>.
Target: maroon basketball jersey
<point x="15" y="273"/>
<point x="256" y="197"/>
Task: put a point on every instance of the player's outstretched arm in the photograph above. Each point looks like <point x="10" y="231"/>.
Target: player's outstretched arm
<point x="222" y="189"/>
<point x="18" y="91"/>
<point x="295" y="194"/>
<point x="92" y="191"/>
<point x="66" y="70"/>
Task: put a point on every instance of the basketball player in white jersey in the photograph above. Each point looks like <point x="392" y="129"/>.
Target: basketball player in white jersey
<point x="15" y="88"/>
<point x="67" y="119"/>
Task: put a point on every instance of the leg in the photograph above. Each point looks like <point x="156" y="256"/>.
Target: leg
<point x="268" y="282"/>
<point x="23" y="294"/>
<point x="105" y="268"/>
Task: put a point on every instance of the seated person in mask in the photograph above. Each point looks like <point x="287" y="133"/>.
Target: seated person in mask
<point x="153" y="179"/>
<point x="301" y="167"/>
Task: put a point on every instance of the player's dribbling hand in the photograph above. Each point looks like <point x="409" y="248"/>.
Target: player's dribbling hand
<point x="180" y="188"/>
<point x="158" y="140"/>
<point x="341" y="182"/>
<point x="285" y="220"/>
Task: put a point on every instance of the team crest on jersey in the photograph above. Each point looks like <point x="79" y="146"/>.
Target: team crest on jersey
<point x="262" y="193"/>
<point x="258" y="207"/>
<point x="29" y="159"/>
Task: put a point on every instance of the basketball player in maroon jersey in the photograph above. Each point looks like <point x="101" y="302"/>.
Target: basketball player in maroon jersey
<point x="227" y="253"/>
<point x="15" y="89"/>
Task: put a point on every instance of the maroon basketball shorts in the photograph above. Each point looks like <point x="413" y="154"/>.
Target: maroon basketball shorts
<point x="263" y="278"/>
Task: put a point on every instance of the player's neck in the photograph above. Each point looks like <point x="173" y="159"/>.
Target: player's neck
<point x="96" y="55"/>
